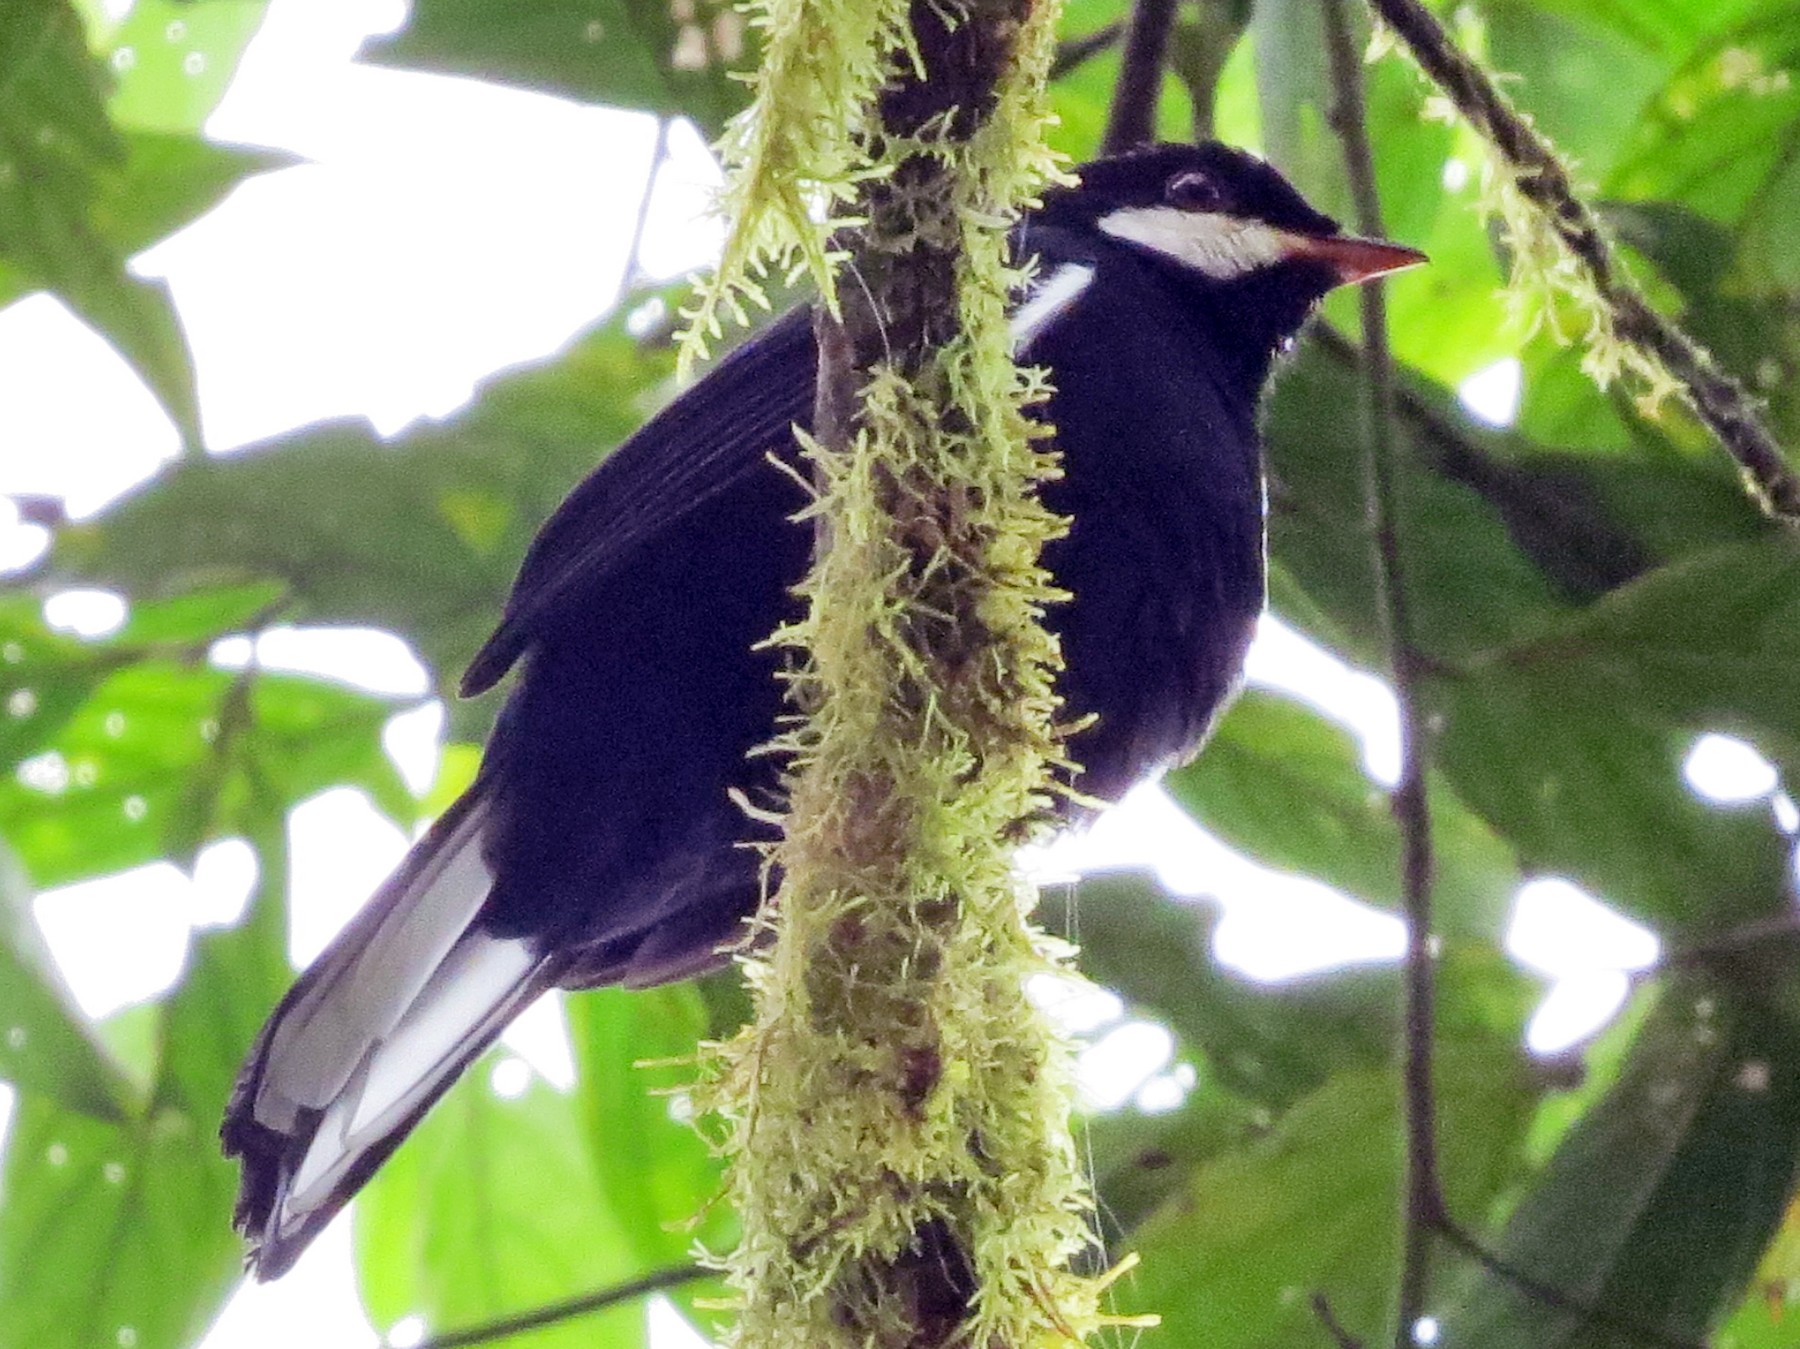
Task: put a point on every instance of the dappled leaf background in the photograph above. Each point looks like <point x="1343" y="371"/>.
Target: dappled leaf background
<point x="1592" y="591"/>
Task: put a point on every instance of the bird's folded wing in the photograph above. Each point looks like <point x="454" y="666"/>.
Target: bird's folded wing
<point x="703" y="443"/>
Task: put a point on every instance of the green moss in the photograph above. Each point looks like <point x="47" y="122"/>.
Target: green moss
<point x="898" y="1110"/>
<point x="1551" y="286"/>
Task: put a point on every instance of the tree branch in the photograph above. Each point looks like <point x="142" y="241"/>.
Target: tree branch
<point x="1078" y="51"/>
<point x="1132" y="120"/>
<point x="659" y="154"/>
<point x="556" y="1312"/>
<point x="1424" y="1207"/>
<point x="1341" y="1337"/>
<point x="1549" y="1295"/>
<point x="1542" y="181"/>
<point x="899" y="1152"/>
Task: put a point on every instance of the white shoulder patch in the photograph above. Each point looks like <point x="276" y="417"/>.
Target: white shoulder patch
<point x="1051" y="296"/>
<point x="1219" y="246"/>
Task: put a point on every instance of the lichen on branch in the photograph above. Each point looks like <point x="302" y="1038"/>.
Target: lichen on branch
<point x="898" y="1109"/>
<point x="1560" y="249"/>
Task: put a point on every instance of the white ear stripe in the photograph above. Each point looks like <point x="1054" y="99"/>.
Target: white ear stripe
<point x="1219" y="246"/>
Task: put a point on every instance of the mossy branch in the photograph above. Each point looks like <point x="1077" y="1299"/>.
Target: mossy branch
<point x="898" y="1110"/>
<point x="1555" y="234"/>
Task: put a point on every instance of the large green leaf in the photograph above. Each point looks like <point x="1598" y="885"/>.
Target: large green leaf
<point x="662" y="1182"/>
<point x="44" y="677"/>
<point x="123" y="751"/>
<point x="648" y="54"/>
<point x="494" y="1207"/>
<point x="322" y="512"/>
<point x="61" y="158"/>
<point x="1233" y="1260"/>
<point x="1654" y="1209"/>
<point x="117" y="1232"/>
<point x="636" y="1053"/>
<point x="163" y="757"/>
<point x="1273" y="1043"/>
<point x="1572" y="745"/>
<point x="173" y="59"/>
<point x="1558" y="59"/>
<point x="1471" y="583"/>
<point x="1284" y="785"/>
<point x="44" y="1046"/>
<point x="112" y="1234"/>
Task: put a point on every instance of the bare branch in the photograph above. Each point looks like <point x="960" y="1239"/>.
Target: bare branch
<point x="1132" y="120"/>
<point x="1078" y="51"/>
<point x="1341" y="1337"/>
<point x="1424" y="1208"/>
<point x="659" y="154"/>
<point x="556" y="1312"/>
<point x="1550" y="1296"/>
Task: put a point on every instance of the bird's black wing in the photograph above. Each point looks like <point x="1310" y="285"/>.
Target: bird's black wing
<point x="701" y="445"/>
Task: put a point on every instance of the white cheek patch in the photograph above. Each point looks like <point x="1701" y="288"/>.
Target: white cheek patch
<point x="1050" y="297"/>
<point x="1219" y="246"/>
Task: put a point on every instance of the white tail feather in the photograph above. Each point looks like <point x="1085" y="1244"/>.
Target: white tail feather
<point x="384" y="1021"/>
<point x="366" y="985"/>
<point x="478" y="988"/>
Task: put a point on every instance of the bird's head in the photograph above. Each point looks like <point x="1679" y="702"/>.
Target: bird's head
<point x="1229" y="227"/>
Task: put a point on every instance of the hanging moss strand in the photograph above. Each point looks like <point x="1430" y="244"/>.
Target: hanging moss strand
<point x="898" y="1110"/>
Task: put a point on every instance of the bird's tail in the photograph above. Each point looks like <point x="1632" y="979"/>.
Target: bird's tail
<point x="370" y="1036"/>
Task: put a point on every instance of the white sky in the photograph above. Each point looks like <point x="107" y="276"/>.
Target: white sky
<point x="440" y="230"/>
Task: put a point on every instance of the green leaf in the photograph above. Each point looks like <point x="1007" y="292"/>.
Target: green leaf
<point x="175" y="58"/>
<point x="45" y="1047"/>
<point x="1608" y="706"/>
<point x="648" y="54"/>
<point x="1470" y="584"/>
<point x="321" y="512"/>
<point x="167" y="181"/>
<point x="112" y="1234"/>
<point x="1722" y="139"/>
<point x="1712" y="641"/>
<point x="1232" y="1261"/>
<point x="58" y="152"/>
<point x="1655" y="1208"/>
<point x="494" y="1207"/>
<point x="162" y="757"/>
<point x="1281" y="783"/>
<point x="44" y="677"/>
<point x="1271" y="1044"/>
<point x="659" y="1176"/>
<point x="118" y="1233"/>
<point x="1559" y="60"/>
<point x="1598" y="797"/>
<point x="197" y="618"/>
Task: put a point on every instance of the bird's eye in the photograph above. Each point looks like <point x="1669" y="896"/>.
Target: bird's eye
<point x="1194" y="192"/>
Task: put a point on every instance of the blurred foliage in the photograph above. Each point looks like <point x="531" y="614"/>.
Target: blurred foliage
<point x="1591" y="588"/>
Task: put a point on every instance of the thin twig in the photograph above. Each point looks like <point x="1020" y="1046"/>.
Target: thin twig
<point x="659" y="153"/>
<point x="1132" y="119"/>
<point x="1549" y="1295"/>
<point x="555" y="1312"/>
<point x="1424" y="1207"/>
<point x="1341" y="1337"/>
<point x="1715" y="397"/>
<point x="1784" y="927"/>
<point x="1078" y="51"/>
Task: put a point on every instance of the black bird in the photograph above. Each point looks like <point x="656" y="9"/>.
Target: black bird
<point x="598" y="842"/>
